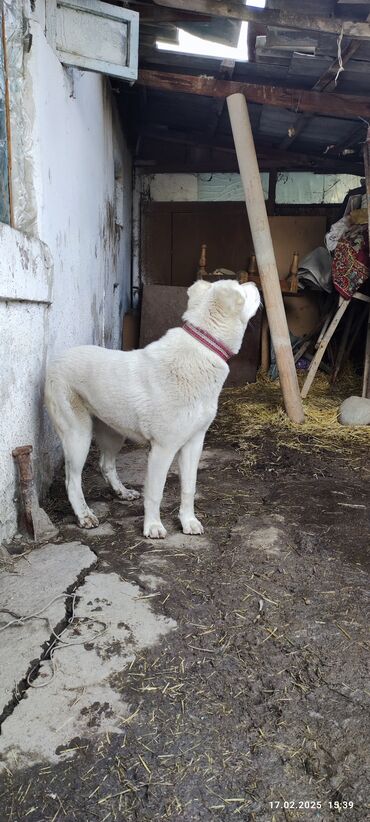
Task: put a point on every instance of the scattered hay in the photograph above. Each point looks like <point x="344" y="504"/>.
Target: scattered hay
<point x="246" y="413"/>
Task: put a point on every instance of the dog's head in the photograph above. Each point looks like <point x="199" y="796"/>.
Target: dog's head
<point x="225" y="304"/>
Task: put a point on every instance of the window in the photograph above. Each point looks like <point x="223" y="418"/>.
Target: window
<point x="222" y="187"/>
<point x="307" y="188"/>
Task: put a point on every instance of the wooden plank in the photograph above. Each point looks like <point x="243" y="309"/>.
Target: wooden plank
<point x="334" y="105"/>
<point x="357" y="30"/>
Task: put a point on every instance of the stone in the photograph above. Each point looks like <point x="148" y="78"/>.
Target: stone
<point x="355" y="411"/>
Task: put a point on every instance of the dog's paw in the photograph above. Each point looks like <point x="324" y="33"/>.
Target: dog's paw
<point x="154" y="530"/>
<point x="89" y="520"/>
<point x="127" y="494"/>
<point x="192" y="526"/>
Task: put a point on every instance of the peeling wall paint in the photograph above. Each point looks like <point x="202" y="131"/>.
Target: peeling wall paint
<point x="76" y="149"/>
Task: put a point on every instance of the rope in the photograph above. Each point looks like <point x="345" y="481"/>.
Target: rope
<point x="340" y="61"/>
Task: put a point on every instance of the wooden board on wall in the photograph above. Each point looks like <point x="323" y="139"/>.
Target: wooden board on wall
<point x="290" y="234"/>
<point x="172" y="234"/>
<point x="156" y="245"/>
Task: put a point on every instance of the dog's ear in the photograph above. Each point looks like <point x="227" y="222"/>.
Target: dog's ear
<point x="198" y="289"/>
<point x="228" y="298"/>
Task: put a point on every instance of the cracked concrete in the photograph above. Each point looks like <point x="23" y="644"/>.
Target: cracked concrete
<point x="70" y="695"/>
<point x="33" y="582"/>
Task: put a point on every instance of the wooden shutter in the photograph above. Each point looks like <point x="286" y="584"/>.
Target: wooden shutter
<point x="95" y="36"/>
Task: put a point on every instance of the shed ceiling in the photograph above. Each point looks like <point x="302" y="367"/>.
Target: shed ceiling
<point x="172" y="130"/>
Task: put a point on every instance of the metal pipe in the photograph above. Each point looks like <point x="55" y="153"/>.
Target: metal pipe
<point x="264" y="251"/>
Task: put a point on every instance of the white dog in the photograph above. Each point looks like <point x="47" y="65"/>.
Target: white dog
<point x="165" y="394"/>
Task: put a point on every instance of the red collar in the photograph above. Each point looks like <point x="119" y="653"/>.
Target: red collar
<point x="210" y="342"/>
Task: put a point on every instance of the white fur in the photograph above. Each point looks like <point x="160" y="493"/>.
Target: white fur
<point x="165" y="394"/>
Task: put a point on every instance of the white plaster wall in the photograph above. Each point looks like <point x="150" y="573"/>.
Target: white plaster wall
<point x="76" y="149"/>
<point x="26" y="274"/>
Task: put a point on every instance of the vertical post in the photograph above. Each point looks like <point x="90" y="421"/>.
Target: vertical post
<point x="365" y="384"/>
<point x="256" y="208"/>
<point x="367" y="176"/>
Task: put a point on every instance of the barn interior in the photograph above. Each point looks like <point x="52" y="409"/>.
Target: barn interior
<point x="306" y="84"/>
<point x="220" y="676"/>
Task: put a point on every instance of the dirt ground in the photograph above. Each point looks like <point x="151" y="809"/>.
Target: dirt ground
<point x="256" y="706"/>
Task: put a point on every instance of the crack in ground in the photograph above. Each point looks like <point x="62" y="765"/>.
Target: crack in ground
<point x="21" y="687"/>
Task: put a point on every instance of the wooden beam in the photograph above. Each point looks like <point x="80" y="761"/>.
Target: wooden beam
<point x="357" y="30"/>
<point x="333" y="105"/>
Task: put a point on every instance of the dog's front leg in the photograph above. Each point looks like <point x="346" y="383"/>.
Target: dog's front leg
<point x="188" y="464"/>
<point x="159" y="461"/>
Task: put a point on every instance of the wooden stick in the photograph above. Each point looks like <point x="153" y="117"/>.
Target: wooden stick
<point x="342" y="307"/>
<point x="260" y="229"/>
<point x="265" y="345"/>
<point x="342" y="346"/>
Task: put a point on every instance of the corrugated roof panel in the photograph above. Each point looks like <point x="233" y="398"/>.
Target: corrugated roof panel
<point x="323" y="130"/>
<point x="275" y="122"/>
<point x="180" y="111"/>
<point x="306" y="69"/>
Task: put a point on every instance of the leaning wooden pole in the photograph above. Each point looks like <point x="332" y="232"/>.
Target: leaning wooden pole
<point x="255" y="202"/>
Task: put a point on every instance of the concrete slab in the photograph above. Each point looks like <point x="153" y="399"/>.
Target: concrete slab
<point x="31" y="585"/>
<point x="113" y="622"/>
<point x="105" y="529"/>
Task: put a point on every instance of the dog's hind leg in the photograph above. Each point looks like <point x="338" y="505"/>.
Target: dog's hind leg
<point x="73" y="423"/>
<point x="189" y="457"/>
<point x="110" y="444"/>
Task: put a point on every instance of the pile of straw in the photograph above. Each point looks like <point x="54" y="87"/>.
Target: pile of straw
<point x="246" y="413"/>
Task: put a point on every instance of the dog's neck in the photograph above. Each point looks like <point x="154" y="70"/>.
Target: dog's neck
<point x="209" y="341"/>
<point x="229" y="335"/>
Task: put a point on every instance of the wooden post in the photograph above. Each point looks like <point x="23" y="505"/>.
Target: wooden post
<point x="256" y="208"/>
